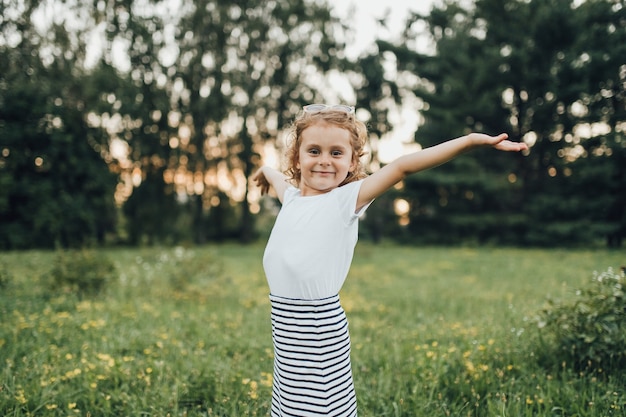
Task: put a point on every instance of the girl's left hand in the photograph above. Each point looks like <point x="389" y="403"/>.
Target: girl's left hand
<point x="499" y="142"/>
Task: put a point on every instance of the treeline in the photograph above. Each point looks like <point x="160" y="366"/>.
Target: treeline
<point x="139" y="122"/>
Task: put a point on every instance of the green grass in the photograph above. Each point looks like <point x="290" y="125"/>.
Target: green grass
<point x="435" y="332"/>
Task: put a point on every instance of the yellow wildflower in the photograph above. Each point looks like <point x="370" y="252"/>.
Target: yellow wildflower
<point x="266" y="379"/>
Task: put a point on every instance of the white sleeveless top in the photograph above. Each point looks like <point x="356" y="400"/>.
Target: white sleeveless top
<point x="310" y="249"/>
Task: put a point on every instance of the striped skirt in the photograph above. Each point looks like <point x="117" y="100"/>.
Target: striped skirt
<point x="312" y="372"/>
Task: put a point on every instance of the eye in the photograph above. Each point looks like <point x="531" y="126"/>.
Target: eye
<point x="336" y="153"/>
<point x="314" y="151"/>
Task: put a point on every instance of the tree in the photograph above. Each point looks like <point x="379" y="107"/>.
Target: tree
<point x="180" y="104"/>
<point x="541" y="71"/>
<point x="242" y="71"/>
<point x="471" y="197"/>
<point x="207" y="86"/>
<point x="602" y="69"/>
<point x="56" y="189"/>
<point x="131" y="102"/>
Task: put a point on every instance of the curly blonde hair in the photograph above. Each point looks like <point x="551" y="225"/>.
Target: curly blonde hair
<point x="338" y="118"/>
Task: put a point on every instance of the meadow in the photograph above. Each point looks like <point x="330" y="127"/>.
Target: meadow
<point x="186" y="332"/>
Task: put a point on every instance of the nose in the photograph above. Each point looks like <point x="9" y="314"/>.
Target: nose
<point x="325" y="159"/>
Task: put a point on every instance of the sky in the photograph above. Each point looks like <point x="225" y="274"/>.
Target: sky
<point x="366" y="13"/>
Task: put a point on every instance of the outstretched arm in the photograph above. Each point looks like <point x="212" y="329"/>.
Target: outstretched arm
<point x="267" y="177"/>
<point x="390" y="174"/>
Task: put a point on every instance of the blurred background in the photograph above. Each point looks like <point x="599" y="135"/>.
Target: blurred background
<point x="139" y="122"/>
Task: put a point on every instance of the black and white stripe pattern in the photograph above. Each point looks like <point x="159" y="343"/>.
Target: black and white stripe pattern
<point x="312" y="371"/>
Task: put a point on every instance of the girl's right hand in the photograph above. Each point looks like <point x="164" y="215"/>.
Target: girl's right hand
<point x="261" y="181"/>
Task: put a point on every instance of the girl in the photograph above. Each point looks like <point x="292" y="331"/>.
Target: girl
<point x="310" y="249"/>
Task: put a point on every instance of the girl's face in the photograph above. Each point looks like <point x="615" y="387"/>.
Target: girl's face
<point x="325" y="158"/>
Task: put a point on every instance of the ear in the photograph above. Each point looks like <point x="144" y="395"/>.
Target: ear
<point x="296" y="159"/>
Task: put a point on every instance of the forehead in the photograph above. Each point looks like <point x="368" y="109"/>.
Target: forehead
<point x="326" y="135"/>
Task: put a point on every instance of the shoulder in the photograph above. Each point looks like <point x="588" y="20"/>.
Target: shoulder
<point x="290" y="193"/>
<point x="349" y="187"/>
<point x="348" y="196"/>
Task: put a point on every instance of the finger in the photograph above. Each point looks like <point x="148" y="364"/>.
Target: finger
<point x="500" y="138"/>
<point x="511" y="146"/>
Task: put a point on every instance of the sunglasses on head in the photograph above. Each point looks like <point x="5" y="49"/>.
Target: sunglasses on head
<point x="316" y="108"/>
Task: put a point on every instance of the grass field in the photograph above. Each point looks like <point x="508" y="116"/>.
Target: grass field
<point x="435" y="332"/>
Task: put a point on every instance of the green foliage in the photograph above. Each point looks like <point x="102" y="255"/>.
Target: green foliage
<point x="589" y="332"/>
<point x="142" y="345"/>
<point x="547" y="73"/>
<point x="55" y="187"/>
<point x="185" y="268"/>
<point x="84" y="272"/>
<point x="151" y="212"/>
<point x="194" y="108"/>
<point x="5" y="276"/>
<point x="435" y="332"/>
